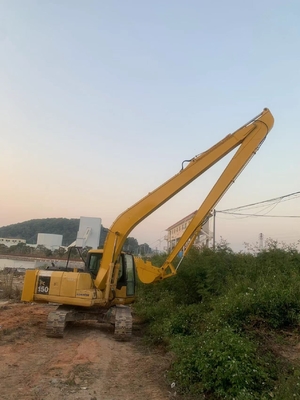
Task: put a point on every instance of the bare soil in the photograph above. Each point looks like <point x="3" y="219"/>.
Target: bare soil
<point x="86" y="364"/>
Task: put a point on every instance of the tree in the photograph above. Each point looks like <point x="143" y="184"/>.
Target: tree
<point x="3" y="249"/>
<point x="131" y="245"/>
<point x="144" y="249"/>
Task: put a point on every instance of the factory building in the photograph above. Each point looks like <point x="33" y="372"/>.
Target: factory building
<point x="11" y="242"/>
<point x="175" y="231"/>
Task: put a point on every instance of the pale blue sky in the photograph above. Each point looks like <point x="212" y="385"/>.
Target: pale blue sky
<point x="102" y="100"/>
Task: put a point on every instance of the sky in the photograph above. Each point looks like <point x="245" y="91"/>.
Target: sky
<point x="101" y="101"/>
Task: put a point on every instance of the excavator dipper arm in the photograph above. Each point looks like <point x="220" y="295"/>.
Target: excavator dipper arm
<point x="246" y="151"/>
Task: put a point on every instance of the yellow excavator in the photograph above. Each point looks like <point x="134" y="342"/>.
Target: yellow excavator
<point x="106" y="287"/>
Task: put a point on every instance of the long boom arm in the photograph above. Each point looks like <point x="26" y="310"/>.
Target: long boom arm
<point x="249" y="137"/>
<point x="241" y="158"/>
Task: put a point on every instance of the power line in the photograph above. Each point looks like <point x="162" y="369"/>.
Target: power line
<point x="275" y="199"/>
<point x="260" y="215"/>
<point x="272" y="204"/>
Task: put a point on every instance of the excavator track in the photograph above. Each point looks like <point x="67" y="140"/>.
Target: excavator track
<point x="57" y="321"/>
<point x="123" y="323"/>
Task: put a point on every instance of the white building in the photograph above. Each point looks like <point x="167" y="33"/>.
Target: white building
<point x="11" y="242"/>
<point x="89" y="233"/>
<point x="176" y="230"/>
<point x="49" y="240"/>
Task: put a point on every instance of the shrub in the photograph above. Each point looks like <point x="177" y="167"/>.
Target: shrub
<point x="272" y="296"/>
<point x="207" y="316"/>
<point x="8" y="290"/>
<point x="222" y="362"/>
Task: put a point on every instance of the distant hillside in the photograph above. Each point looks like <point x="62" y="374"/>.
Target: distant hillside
<point x="29" y="230"/>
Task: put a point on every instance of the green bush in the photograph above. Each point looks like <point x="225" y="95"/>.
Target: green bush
<point x="210" y="314"/>
<point x="271" y="295"/>
<point x="220" y="362"/>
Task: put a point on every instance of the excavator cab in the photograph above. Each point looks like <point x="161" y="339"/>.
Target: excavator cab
<point x="126" y="271"/>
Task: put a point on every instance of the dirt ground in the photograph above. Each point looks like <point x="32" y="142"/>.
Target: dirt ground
<point x="86" y="364"/>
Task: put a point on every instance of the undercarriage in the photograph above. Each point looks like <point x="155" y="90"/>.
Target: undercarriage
<point x="119" y="316"/>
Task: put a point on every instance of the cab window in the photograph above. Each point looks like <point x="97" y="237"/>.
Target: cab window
<point x="94" y="264"/>
<point x="130" y="275"/>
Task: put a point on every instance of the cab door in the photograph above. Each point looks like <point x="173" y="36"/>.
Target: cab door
<point x="130" y="275"/>
<point x="127" y="277"/>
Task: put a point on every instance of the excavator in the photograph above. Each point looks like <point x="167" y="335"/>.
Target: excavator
<point x="105" y="288"/>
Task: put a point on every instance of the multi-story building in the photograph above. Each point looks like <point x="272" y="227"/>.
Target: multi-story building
<point x="176" y="230"/>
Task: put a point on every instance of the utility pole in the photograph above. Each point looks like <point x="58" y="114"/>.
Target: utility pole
<point x="261" y="241"/>
<point x="214" y="229"/>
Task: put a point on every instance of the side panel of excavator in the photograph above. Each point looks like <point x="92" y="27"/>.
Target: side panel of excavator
<point x="72" y="288"/>
<point x="29" y="285"/>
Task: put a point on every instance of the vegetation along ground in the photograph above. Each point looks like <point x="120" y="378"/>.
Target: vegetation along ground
<point x="231" y="321"/>
<point x="226" y="327"/>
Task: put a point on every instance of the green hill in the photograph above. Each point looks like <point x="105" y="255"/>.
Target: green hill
<point x="29" y="230"/>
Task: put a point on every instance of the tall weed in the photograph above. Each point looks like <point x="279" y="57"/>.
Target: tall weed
<point x="8" y="288"/>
